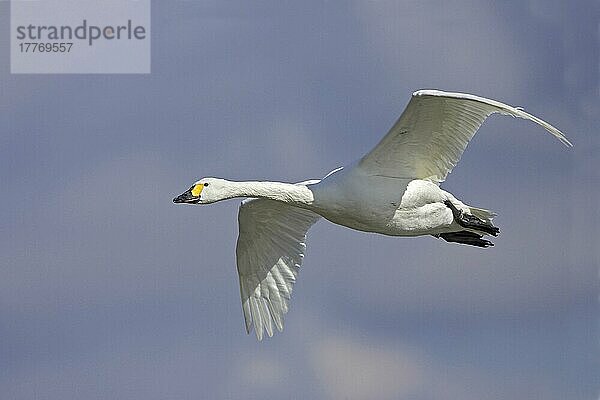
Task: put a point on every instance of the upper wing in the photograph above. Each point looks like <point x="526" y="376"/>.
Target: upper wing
<point x="430" y="136"/>
<point x="269" y="252"/>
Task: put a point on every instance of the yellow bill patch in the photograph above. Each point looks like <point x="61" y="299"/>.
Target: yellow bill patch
<point x="197" y="190"/>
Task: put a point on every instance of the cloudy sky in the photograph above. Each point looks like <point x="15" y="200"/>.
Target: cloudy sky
<point x="108" y="290"/>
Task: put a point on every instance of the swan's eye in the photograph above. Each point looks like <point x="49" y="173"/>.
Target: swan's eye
<point x="197" y="189"/>
<point x="206" y="184"/>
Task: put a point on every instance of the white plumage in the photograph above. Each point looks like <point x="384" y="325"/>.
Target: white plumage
<point x="269" y="253"/>
<point x="392" y="190"/>
<point x="433" y="131"/>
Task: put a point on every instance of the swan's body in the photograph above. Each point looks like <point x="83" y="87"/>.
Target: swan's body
<point x="390" y="206"/>
<point x="393" y="190"/>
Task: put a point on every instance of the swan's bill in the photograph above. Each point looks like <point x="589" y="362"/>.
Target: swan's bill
<point x="190" y="196"/>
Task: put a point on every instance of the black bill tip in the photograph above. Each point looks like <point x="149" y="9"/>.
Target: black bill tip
<point x="186" y="197"/>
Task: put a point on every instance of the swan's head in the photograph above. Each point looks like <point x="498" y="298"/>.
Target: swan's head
<point x="204" y="191"/>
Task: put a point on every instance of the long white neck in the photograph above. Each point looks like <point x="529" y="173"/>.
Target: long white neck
<point x="297" y="195"/>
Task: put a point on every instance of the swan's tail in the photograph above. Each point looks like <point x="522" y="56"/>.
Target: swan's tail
<point x="485" y="215"/>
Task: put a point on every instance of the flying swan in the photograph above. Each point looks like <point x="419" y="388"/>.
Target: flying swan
<point x="393" y="190"/>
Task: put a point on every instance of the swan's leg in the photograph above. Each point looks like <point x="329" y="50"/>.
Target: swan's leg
<point x="471" y="221"/>
<point x="465" y="237"/>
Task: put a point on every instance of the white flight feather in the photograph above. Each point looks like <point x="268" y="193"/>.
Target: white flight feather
<point x="269" y="251"/>
<point x="430" y="136"/>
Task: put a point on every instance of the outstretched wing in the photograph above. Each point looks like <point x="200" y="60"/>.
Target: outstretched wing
<point x="430" y="136"/>
<point x="269" y="252"/>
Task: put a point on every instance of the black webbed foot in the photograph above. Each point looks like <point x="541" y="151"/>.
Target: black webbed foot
<point x="471" y="221"/>
<point x="466" y="237"/>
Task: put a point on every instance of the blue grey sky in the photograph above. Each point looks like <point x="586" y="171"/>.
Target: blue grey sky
<point x="108" y="290"/>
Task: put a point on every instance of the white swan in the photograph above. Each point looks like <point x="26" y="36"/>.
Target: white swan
<point x="393" y="190"/>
